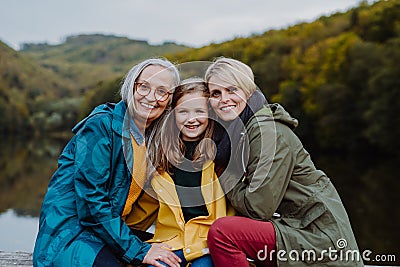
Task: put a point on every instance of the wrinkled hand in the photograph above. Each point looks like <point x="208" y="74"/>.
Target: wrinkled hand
<point x="161" y="252"/>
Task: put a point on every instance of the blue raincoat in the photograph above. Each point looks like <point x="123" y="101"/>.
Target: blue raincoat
<point x="81" y="212"/>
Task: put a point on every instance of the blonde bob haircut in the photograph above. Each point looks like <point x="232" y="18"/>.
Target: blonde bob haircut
<point x="233" y="72"/>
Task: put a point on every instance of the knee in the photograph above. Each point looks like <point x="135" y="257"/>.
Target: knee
<point x="218" y="229"/>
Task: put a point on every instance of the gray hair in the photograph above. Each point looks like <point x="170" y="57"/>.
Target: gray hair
<point x="153" y="133"/>
<point x="135" y="71"/>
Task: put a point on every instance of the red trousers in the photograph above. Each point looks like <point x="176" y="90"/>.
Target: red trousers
<point x="233" y="239"/>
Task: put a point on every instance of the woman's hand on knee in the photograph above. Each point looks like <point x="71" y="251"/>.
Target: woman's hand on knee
<point x="161" y="252"/>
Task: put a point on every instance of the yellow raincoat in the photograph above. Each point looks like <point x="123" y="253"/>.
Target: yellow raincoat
<point x="171" y="228"/>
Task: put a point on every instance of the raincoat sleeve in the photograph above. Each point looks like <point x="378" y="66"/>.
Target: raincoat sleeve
<point x="268" y="172"/>
<point x="92" y="182"/>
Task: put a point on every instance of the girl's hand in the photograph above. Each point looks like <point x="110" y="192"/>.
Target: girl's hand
<point x="161" y="252"/>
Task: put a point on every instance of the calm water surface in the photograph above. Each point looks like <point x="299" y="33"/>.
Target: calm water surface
<point x="369" y="188"/>
<point x="17" y="233"/>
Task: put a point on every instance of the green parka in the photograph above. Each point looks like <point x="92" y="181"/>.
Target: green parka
<point x="283" y="186"/>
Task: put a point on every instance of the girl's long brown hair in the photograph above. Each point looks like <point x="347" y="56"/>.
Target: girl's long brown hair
<point x="172" y="148"/>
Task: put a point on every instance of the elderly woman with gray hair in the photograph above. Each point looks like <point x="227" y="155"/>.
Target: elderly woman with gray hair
<point x="95" y="205"/>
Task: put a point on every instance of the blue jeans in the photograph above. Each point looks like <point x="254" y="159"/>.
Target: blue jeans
<point x="106" y="258"/>
<point x="204" y="261"/>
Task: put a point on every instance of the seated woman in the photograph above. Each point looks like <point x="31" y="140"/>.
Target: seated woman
<point x="89" y="209"/>
<point x="291" y="211"/>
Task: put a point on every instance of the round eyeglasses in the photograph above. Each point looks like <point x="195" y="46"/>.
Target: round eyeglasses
<point x="160" y="93"/>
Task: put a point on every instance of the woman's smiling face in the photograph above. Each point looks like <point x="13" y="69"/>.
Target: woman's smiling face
<point x="147" y="108"/>
<point x="227" y="101"/>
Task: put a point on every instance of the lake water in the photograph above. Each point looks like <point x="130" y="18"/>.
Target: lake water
<point x="17" y="233"/>
<point x="368" y="186"/>
<point x="25" y="169"/>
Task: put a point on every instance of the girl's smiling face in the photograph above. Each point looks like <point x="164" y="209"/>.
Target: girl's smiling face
<point x="191" y="115"/>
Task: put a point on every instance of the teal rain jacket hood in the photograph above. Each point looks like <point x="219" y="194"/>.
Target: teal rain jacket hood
<point x="81" y="212"/>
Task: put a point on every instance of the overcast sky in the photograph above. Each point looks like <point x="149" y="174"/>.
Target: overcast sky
<point x="191" y="22"/>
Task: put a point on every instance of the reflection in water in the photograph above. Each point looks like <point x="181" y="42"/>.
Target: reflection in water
<point x="25" y="169"/>
<point x="369" y="189"/>
<point x="368" y="186"/>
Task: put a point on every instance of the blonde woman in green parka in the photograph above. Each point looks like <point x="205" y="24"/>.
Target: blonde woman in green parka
<point x="291" y="213"/>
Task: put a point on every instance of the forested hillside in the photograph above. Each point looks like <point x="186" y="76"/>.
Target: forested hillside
<point x="25" y="87"/>
<point x="42" y="87"/>
<point x="339" y="75"/>
<point x="86" y="59"/>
